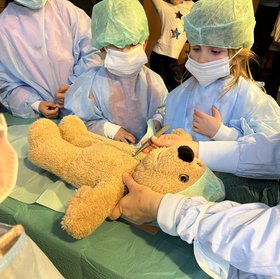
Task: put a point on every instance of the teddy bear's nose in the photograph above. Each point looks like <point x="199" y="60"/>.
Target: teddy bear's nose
<point x="185" y="153"/>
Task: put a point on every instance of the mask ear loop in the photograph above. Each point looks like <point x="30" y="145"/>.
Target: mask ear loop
<point x="235" y="54"/>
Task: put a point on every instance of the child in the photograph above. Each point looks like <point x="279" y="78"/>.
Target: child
<point x="220" y="101"/>
<point x="117" y="100"/>
<point x="45" y="45"/>
<point x="164" y="57"/>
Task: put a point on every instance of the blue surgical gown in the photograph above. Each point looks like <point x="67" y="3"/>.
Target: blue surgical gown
<point x="99" y="98"/>
<point x="245" y="108"/>
<point x="40" y="50"/>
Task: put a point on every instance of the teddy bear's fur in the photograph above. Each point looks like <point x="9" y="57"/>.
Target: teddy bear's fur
<point x="95" y="164"/>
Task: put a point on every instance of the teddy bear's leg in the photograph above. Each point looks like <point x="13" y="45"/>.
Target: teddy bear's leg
<point x="42" y="130"/>
<point x="74" y="130"/>
<point x="89" y="207"/>
<point x="48" y="150"/>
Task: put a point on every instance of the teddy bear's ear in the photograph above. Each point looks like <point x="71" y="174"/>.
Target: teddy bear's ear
<point x="185" y="153"/>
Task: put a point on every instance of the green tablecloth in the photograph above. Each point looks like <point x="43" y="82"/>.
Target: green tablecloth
<point x="114" y="250"/>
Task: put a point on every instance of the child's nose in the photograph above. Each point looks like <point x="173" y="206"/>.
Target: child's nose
<point x="202" y="58"/>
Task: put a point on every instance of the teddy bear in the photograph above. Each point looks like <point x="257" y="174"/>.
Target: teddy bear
<point x="95" y="164"/>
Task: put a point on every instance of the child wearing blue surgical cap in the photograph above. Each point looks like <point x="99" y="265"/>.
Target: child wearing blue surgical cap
<point x="117" y="100"/>
<point x="45" y="45"/>
<point x="220" y="101"/>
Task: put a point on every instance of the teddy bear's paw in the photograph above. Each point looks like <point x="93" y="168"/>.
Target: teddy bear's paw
<point x="43" y="135"/>
<point x="86" y="211"/>
<point x="42" y="130"/>
<point x="71" y="127"/>
<point x="182" y="133"/>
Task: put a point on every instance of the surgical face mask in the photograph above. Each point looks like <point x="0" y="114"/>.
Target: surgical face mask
<point x="32" y="4"/>
<point x="8" y="162"/>
<point x="207" y="73"/>
<point x="125" y="63"/>
<point x="208" y="186"/>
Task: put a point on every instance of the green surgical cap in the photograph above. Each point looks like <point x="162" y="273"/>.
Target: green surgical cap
<point x="221" y="23"/>
<point x="118" y="22"/>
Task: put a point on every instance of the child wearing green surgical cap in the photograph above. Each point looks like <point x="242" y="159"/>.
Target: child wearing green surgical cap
<point x="118" y="99"/>
<point x="220" y="101"/>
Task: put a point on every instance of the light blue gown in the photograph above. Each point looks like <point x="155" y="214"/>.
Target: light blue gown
<point x="40" y="50"/>
<point x="99" y="97"/>
<point x="245" y="108"/>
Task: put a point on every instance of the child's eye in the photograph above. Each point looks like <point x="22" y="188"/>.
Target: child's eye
<point x="195" y="49"/>
<point x="215" y="52"/>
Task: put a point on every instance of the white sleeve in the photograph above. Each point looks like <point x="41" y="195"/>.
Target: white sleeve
<point x="246" y="236"/>
<point x="255" y="156"/>
<point x="35" y="106"/>
<point x="226" y="133"/>
<point x="110" y="129"/>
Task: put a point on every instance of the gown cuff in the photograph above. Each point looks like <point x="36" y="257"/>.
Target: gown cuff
<point x="220" y="156"/>
<point x="226" y="133"/>
<point x="110" y="129"/>
<point x="35" y="106"/>
<point x="167" y="212"/>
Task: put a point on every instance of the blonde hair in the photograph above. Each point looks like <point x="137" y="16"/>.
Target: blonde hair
<point x="240" y="65"/>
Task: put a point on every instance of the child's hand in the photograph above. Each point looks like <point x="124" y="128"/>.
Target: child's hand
<point x="60" y="94"/>
<point x="124" y="136"/>
<point x="206" y="124"/>
<point x="49" y="109"/>
<point x="170" y="140"/>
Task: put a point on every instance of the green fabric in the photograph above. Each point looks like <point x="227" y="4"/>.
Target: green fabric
<point x="35" y="184"/>
<point x="114" y="250"/>
<point x="118" y="22"/>
<point x="221" y="23"/>
<point x="247" y="190"/>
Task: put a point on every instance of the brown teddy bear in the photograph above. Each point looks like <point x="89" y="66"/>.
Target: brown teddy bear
<point x="95" y="164"/>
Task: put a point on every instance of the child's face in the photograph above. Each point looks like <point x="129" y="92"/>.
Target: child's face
<point x="204" y="54"/>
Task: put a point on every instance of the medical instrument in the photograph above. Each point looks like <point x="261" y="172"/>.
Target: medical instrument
<point x="149" y="141"/>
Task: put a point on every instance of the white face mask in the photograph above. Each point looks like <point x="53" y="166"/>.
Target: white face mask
<point x="32" y="4"/>
<point x="8" y="162"/>
<point x="207" y="73"/>
<point x="125" y="63"/>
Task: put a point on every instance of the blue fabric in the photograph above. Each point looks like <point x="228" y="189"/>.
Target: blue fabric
<point x="99" y="97"/>
<point x="245" y="107"/>
<point x="41" y="50"/>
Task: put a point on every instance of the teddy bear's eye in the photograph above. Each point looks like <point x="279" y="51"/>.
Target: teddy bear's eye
<point x="184" y="178"/>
